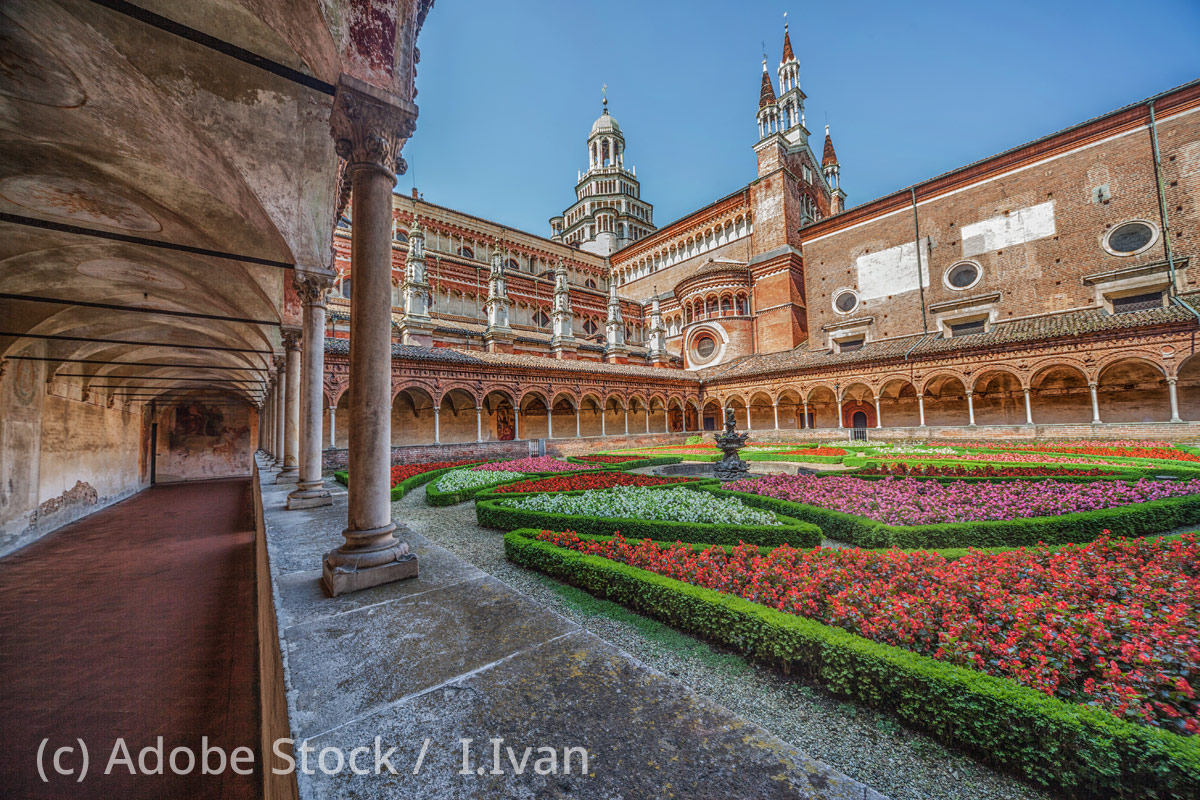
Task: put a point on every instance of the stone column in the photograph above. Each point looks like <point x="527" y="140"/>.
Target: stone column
<point x="479" y="423"/>
<point x="437" y="427"/>
<point x="1095" y="404"/>
<point x="775" y="408"/>
<point x="878" y="415"/>
<point x="749" y="427"/>
<point x="603" y="422"/>
<point x="369" y="127"/>
<point x="332" y="428"/>
<point x="647" y="419"/>
<point x="313" y="287"/>
<point x="804" y="419"/>
<point x="838" y="409"/>
<point x="971" y="409"/>
<point x="1028" y="409"/>
<point x="921" y="407"/>
<point x="1174" y="400"/>
<point x="516" y="423"/>
<point x="576" y="422"/>
<point x="291" y="409"/>
<point x="626" y="420"/>
<point x="280" y="410"/>
<point x="268" y="430"/>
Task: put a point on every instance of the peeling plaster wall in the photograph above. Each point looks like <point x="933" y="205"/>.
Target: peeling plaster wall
<point x="61" y="458"/>
<point x="197" y="441"/>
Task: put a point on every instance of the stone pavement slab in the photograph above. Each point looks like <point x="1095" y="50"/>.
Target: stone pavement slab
<point x="454" y="655"/>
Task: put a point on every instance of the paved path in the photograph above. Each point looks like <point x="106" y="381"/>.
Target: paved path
<point x="456" y="654"/>
<point x="135" y="622"/>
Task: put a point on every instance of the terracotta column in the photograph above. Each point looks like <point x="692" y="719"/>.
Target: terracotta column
<point x="1174" y="400"/>
<point x="280" y="409"/>
<point x="1095" y="404"/>
<point x="313" y="288"/>
<point x="291" y="409"/>
<point x="369" y="128"/>
<point x="1028" y="409"/>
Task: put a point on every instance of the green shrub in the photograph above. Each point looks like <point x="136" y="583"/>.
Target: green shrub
<point x="1139" y="519"/>
<point x="491" y="513"/>
<point x="408" y="484"/>
<point x="694" y="440"/>
<point x="1074" y="750"/>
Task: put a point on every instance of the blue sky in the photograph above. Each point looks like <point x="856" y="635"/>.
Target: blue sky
<point x="508" y="90"/>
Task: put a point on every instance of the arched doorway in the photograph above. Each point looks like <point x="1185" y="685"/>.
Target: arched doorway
<point x="858" y="420"/>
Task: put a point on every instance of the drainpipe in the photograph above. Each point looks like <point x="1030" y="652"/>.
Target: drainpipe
<point x="920" y="271"/>
<point x="1162" y="215"/>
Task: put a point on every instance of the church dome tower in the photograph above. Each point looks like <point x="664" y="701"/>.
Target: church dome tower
<point x="608" y="212"/>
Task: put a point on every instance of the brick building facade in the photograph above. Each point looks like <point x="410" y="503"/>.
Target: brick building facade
<point x="1049" y="285"/>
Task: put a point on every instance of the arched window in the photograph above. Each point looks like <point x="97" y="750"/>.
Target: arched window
<point x="540" y="319"/>
<point x="741" y="304"/>
<point x="589" y="326"/>
<point x="401" y="236"/>
<point x="466" y="252"/>
<point x="590" y="283"/>
<point x="513" y="264"/>
<point x="726" y="305"/>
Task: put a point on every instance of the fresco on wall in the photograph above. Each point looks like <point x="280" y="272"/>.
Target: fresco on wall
<point x="506" y="428"/>
<point x="204" y="441"/>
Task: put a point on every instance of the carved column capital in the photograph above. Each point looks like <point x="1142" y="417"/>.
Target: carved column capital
<point x="370" y="126"/>
<point x="280" y="362"/>
<point x="313" y="285"/>
<point x="291" y="339"/>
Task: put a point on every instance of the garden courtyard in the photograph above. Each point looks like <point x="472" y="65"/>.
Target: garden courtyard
<point x="950" y="619"/>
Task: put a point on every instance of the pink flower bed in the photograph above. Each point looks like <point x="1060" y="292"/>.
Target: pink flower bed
<point x="910" y="501"/>
<point x="1024" y="458"/>
<point x="538" y="464"/>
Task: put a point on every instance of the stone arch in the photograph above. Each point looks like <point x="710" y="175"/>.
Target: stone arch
<point x="636" y="410"/>
<point x="762" y="411"/>
<point x="858" y="405"/>
<point x="499" y="418"/>
<point x="591" y="410"/>
<point x="1058" y="393"/>
<point x="998" y="397"/>
<point x="945" y="399"/>
<point x="534" y="419"/>
<point x="791" y="408"/>
<point x="1188" y="388"/>
<point x="457" y="418"/>
<point x="897" y="403"/>
<point x="1132" y="389"/>
<point x="823" y="406"/>
<point x="656" y="419"/>
<point x="675" y="414"/>
<point x="412" y="416"/>
<point x="712" y="415"/>
<point x="563" y="415"/>
<point x="615" y="414"/>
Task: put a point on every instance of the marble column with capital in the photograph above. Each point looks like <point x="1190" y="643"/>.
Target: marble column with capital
<point x="369" y="127"/>
<point x="280" y="409"/>
<point x="291" y="408"/>
<point x="313" y="287"/>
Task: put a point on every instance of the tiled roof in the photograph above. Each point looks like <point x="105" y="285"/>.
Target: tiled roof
<point x="829" y="157"/>
<point x="1033" y="329"/>
<point x="484" y="360"/>
<point x="788" y="55"/>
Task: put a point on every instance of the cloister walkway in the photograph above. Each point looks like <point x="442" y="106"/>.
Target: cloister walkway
<point x="135" y="622"/>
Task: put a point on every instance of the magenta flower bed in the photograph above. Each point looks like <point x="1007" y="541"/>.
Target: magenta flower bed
<point x="538" y="464"/>
<point x="909" y="501"/>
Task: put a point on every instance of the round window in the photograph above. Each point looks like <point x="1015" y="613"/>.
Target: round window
<point x="963" y="276"/>
<point x="845" y="302"/>
<point x="1130" y="238"/>
<point x="705" y="346"/>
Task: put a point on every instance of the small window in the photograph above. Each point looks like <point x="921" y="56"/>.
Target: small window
<point x="1130" y="238"/>
<point x="346" y="287"/>
<point x="589" y="327"/>
<point x="401" y="236"/>
<point x="540" y="319"/>
<point x="590" y="283"/>
<point x="963" y="276"/>
<point x="705" y="346"/>
<point x="1137" y="302"/>
<point x="850" y="345"/>
<point x="466" y="252"/>
<point x="513" y="265"/>
<point x="845" y="302"/>
<point x="968" y="328"/>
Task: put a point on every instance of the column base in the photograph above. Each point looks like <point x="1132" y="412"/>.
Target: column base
<point x="342" y="573"/>
<point x="1176" y="419"/>
<point x="309" y="496"/>
<point x="288" y="475"/>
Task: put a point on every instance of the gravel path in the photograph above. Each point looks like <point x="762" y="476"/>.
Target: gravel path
<point x="863" y="744"/>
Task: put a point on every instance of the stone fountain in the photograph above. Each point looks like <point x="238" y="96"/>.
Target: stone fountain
<point x="730" y="467"/>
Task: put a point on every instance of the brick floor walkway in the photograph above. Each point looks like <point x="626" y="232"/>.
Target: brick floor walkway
<point x="136" y="622"/>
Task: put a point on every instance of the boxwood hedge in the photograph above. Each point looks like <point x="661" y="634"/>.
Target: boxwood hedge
<point x="1074" y="750"/>
<point x="1138" y="519"/>
<point x="492" y="513"/>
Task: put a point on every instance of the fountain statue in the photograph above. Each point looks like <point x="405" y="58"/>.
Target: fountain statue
<point x="730" y="467"/>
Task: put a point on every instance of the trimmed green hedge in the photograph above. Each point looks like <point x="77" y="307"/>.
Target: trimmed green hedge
<point x="1138" y="519"/>
<point x="1073" y="749"/>
<point x="634" y="462"/>
<point x="491" y="513"/>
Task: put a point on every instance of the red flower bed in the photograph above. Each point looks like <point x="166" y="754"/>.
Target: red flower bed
<point x="610" y="459"/>
<point x="599" y="480"/>
<point x="403" y="472"/>
<point x="960" y="471"/>
<point x="816" y="451"/>
<point x="1167" y="453"/>
<point x="1115" y="623"/>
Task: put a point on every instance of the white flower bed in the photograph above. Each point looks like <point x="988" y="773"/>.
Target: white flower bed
<point x="915" y="450"/>
<point x="640" y="502"/>
<point x="458" y="479"/>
